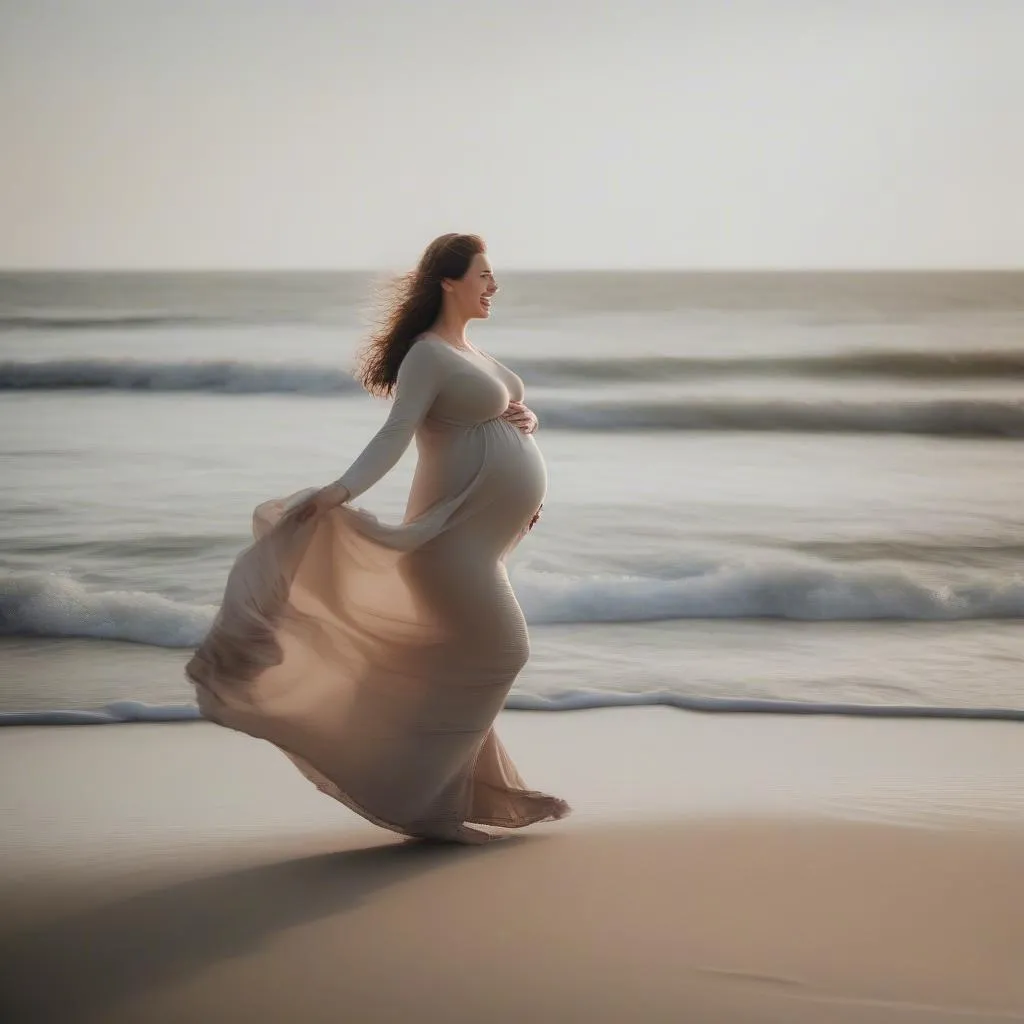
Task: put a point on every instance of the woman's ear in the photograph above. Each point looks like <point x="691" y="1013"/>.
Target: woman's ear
<point x="446" y="286"/>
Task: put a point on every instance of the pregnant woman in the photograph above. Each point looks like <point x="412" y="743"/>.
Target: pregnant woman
<point x="377" y="656"/>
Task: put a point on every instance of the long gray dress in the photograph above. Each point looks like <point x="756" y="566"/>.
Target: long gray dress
<point x="377" y="656"/>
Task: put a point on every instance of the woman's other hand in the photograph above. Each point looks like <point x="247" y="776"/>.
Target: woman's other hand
<point x="322" y="501"/>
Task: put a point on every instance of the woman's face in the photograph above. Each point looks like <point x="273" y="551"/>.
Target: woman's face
<point x="472" y="292"/>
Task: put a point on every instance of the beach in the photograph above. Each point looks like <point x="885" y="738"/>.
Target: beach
<point x="716" y="868"/>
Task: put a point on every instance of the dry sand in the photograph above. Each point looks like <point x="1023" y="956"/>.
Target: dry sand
<point x="717" y="869"/>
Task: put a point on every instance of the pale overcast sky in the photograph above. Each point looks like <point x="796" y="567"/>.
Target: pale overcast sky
<point x="645" y="133"/>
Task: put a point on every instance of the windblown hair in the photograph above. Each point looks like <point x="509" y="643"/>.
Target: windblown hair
<point x="411" y="305"/>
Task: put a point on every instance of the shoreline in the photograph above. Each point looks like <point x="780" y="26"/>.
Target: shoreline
<point x="133" y="712"/>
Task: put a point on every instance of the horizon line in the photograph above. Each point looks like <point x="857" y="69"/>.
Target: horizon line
<point x="722" y="270"/>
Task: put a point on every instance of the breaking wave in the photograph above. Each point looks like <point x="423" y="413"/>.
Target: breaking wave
<point x="39" y="604"/>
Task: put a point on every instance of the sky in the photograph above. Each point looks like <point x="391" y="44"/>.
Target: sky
<point x="307" y="134"/>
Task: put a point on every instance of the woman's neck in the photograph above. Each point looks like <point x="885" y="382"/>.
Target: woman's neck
<point x="450" y="326"/>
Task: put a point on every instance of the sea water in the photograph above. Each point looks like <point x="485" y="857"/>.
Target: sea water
<point x="798" y="492"/>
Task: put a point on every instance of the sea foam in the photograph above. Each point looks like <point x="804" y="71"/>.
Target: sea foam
<point x="38" y="604"/>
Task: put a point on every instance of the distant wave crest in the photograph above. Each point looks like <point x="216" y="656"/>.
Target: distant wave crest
<point x="201" y="375"/>
<point x="906" y="365"/>
<point x="87" y="321"/>
<point x="37" y="604"/>
<point x="954" y="417"/>
<point x="221" y="376"/>
<point x="948" y="417"/>
<point x="109" y="373"/>
<point x="886" y="363"/>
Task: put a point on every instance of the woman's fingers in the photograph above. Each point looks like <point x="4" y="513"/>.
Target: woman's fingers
<point x="301" y="512"/>
<point x="321" y="501"/>
<point x="334" y="494"/>
<point x="521" y="417"/>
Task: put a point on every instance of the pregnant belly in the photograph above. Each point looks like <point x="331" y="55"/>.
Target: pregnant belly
<point x="517" y="471"/>
<point x="500" y="469"/>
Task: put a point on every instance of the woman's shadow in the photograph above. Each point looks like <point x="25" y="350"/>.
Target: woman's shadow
<point x="77" y="966"/>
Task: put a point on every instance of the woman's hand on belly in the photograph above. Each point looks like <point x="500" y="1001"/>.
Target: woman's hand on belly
<point x="521" y="417"/>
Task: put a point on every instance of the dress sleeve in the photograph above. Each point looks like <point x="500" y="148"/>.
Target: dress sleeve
<point x="418" y="382"/>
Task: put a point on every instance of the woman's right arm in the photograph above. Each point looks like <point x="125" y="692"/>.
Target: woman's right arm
<point x="419" y="380"/>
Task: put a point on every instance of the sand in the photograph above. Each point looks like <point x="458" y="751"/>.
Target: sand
<point x="717" y="868"/>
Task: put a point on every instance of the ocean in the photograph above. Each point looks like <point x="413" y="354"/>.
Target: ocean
<point x="767" y="492"/>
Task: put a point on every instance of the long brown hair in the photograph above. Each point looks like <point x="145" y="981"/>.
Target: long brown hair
<point x="411" y="305"/>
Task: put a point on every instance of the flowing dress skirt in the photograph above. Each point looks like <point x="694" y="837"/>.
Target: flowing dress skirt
<point x="378" y="656"/>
